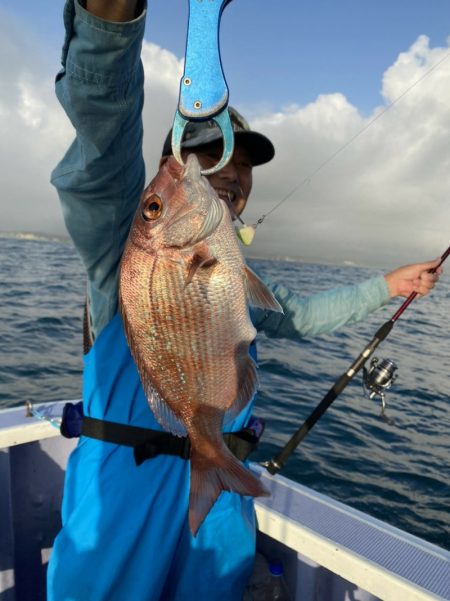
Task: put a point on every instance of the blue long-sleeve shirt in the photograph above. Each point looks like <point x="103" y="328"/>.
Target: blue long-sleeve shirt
<point x="102" y="175"/>
<point x="125" y="533"/>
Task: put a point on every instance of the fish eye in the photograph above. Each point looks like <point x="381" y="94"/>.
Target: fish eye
<point x="153" y="208"/>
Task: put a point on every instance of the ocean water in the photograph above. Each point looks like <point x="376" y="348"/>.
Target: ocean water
<point x="399" y="473"/>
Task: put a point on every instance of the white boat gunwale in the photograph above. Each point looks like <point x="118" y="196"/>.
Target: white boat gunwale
<point x="287" y="516"/>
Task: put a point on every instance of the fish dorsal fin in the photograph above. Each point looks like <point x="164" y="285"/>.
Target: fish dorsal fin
<point x="258" y="295"/>
<point x="248" y="385"/>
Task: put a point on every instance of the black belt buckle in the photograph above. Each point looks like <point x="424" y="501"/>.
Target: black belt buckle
<point x="144" y="451"/>
<point x="179" y="446"/>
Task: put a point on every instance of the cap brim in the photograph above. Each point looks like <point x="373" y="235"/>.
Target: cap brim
<point x="259" y="148"/>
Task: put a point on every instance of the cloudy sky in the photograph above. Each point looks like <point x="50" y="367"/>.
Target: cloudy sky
<point x="371" y="187"/>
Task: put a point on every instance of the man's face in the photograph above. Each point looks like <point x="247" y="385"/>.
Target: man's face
<point x="233" y="182"/>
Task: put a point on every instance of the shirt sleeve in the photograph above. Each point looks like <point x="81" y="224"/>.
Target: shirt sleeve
<point x="101" y="177"/>
<point x="320" y="313"/>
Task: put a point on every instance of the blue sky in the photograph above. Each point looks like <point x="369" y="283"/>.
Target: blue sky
<point x="310" y="75"/>
<point x="285" y="51"/>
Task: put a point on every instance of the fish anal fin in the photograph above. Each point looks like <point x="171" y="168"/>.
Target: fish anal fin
<point x="209" y="478"/>
<point x="165" y="416"/>
<point x="162" y="412"/>
<point x="202" y="257"/>
<point x="258" y="294"/>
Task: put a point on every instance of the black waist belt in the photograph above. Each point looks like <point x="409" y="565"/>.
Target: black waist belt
<point x="150" y="443"/>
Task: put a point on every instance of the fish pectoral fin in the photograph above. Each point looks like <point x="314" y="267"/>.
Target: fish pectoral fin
<point x="258" y="294"/>
<point x="202" y="257"/>
<point x="209" y="478"/>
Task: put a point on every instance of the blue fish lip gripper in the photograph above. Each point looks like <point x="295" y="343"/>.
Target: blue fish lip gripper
<point x="203" y="89"/>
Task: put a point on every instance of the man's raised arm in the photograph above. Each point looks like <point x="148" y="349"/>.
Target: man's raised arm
<point x="102" y="175"/>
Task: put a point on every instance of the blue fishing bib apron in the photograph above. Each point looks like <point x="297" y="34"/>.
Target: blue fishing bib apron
<point x="125" y="532"/>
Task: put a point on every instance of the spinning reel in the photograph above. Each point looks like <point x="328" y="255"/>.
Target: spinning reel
<point x="377" y="380"/>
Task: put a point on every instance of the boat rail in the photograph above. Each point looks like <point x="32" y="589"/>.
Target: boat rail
<point x="318" y="538"/>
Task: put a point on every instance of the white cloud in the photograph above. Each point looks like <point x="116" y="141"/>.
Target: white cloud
<point x="381" y="200"/>
<point x="384" y="198"/>
<point x="163" y="72"/>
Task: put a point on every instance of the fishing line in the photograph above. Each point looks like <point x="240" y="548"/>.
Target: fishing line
<point x="244" y="232"/>
<point x="341" y="149"/>
<point x="232" y="209"/>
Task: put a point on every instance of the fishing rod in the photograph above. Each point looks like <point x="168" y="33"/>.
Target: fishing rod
<point x="275" y="464"/>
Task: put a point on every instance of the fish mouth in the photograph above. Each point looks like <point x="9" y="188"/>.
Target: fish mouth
<point x="192" y="168"/>
<point x="213" y="207"/>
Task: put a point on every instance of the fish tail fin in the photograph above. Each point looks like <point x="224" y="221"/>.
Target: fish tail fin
<point x="209" y="478"/>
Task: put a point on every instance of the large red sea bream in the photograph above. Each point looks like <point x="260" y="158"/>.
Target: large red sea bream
<point x="184" y="296"/>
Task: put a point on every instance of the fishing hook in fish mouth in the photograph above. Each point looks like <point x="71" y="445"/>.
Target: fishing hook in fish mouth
<point x="244" y="232"/>
<point x="229" y="202"/>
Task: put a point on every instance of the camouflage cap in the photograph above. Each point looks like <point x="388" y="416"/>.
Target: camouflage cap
<point x="199" y="133"/>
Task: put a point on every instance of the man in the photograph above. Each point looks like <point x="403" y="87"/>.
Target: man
<point x="125" y="533"/>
